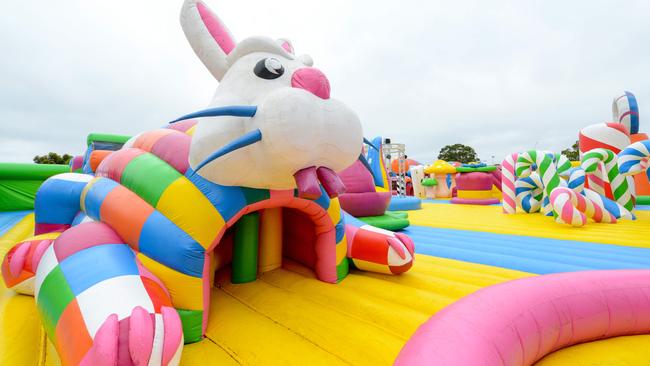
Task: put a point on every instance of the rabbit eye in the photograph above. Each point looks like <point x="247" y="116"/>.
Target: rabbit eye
<point x="269" y="68"/>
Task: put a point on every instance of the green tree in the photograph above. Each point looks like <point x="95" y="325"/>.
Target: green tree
<point x="458" y="152"/>
<point x="573" y="153"/>
<point x="52" y="158"/>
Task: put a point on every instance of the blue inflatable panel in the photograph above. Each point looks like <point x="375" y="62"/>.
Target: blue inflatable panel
<point x="164" y="242"/>
<point x="525" y="253"/>
<point x="348" y="219"/>
<point x="340" y="229"/>
<point x="227" y="200"/>
<point x="96" y="264"/>
<point x="437" y="201"/>
<point x="404" y="203"/>
<point x="57" y="201"/>
<point x="10" y="219"/>
<point x="374" y="160"/>
<point x="92" y="202"/>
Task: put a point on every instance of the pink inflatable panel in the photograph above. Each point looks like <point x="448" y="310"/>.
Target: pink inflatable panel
<point x="357" y="178"/>
<point x="365" y="203"/>
<point x="474" y="201"/>
<point x="519" y="322"/>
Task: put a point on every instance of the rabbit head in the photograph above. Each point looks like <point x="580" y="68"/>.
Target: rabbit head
<point x="280" y="128"/>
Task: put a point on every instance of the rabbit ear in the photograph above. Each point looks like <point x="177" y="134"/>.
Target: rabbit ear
<point x="285" y="44"/>
<point x="208" y="36"/>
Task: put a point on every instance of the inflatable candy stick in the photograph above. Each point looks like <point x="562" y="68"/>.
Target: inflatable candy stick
<point x="546" y="169"/>
<point x="530" y="193"/>
<point x="597" y="180"/>
<point x="562" y="164"/>
<point x="612" y="136"/>
<point x="576" y="180"/>
<point x="625" y="110"/>
<point x="574" y="209"/>
<point x="631" y="159"/>
<point x="619" y="183"/>
<point x="508" y="178"/>
<point x="611" y="206"/>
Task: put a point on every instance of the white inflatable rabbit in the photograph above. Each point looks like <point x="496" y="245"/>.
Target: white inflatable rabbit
<point x="280" y="128"/>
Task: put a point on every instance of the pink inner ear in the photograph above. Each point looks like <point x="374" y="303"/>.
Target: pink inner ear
<point x="216" y="28"/>
<point x="287" y="47"/>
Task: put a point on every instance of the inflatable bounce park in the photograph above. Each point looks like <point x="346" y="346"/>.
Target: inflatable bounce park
<point x="239" y="234"/>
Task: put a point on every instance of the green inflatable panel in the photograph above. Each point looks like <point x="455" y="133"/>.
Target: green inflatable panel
<point x="391" y="220"/>
<point x="245" y="249"/>
<point x="105" y="137"/>
<point x="19" y="183"/>
<point x="643" y="200"/>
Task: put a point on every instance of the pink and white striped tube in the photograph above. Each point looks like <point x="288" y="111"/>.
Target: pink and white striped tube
<point x="517" y="323"/>
<point x="508" y="183"/>
<point x="574" y="208"/>
<point x="597" y="181"/>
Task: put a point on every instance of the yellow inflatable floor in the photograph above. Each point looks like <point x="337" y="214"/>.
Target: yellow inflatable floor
<point x="288" y="317"/>
<point x="491" y="219"/>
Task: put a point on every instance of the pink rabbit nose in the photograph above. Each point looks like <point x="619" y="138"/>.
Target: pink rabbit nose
<point x="312" y="80"/>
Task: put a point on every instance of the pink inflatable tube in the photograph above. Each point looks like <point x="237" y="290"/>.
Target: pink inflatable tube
<point x="521" y="321"/>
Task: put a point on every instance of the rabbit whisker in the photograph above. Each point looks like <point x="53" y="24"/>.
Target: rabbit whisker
<point x="365" y="163"/>
<point x="367" y="142"/>
<point x="230" y="110"/>
<point x="244" y="140"/>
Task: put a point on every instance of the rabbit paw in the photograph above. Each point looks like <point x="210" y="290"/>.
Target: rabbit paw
<point x="377" y="250"/>
<point x="19" y="265"/>
<point x="142" y="339"/>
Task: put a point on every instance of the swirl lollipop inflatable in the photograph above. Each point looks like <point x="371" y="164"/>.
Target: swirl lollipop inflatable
<point x="530" y="193"/>
<point x="544" y="164"/>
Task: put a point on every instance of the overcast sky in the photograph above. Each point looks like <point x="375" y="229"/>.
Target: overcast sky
<point x="501" y="76"/>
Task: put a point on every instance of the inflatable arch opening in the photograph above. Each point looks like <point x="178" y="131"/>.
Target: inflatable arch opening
<point x="280" y="226"/>
<point x="260" y="237"/>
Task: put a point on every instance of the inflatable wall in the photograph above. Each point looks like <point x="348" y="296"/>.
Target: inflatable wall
<point x="19" y="183"/>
